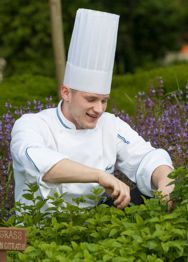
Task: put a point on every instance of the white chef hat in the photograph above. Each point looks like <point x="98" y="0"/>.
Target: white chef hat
<point x="91" y="53"/>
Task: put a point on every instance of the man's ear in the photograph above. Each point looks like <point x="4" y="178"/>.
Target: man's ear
<point x="65" y="93"/>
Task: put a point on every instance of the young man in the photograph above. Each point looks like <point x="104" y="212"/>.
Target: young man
<point x="76" y="146"/>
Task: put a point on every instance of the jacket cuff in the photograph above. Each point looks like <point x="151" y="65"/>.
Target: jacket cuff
<point x="149" y="163"/>
<point x="44" y="159"/>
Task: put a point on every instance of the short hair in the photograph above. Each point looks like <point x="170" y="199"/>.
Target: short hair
<point x="73" y="90"/>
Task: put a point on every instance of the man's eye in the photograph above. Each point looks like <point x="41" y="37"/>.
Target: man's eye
<point x="90" y="99"/>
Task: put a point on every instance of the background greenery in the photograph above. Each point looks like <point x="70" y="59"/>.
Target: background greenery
<point x="21" y="88"/>
<point x="147" y="30"/>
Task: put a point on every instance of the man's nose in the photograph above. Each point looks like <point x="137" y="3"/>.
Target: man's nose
<point x="98" y="107"/>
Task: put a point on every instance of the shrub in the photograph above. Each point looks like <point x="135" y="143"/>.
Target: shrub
<point x="137" y="233"/>
<point x="32" y="49"/>
<point x="18" y="89"/>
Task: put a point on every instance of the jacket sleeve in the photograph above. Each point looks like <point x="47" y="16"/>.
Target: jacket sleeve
<point x="30" y="148"/>
<point x="137" y="158"/>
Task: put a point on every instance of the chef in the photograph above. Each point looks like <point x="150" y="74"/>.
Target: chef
<point x="78" y="146"/>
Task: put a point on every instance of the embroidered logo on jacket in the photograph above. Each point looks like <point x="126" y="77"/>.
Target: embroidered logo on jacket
<point x="123" y="139"/>
<point x="109" y="168"/>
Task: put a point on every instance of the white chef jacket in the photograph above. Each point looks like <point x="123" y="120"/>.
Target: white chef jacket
<point x="40" y="140"/>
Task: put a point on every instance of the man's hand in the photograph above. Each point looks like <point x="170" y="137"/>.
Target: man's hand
<point x="118" y="190"/>
<point x="161" y="182"/>
<point x="165" y="190"/>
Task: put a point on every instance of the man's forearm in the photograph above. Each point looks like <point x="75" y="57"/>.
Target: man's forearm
<point x="160" y="180"/>
<point x="68" y="171"/>
<point x="160" y="176"/>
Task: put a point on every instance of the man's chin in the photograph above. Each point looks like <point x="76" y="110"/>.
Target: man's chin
<point x="90" y="126"/>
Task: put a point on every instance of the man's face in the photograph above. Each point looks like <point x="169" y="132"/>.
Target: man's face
<point x="84" y="109"/>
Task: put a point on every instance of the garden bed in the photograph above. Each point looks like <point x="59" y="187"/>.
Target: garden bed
<point x="138" y="233"/>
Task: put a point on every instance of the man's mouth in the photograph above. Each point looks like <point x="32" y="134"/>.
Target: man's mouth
<point x="92" y="116"/>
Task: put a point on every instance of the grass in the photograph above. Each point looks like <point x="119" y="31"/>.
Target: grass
<point x="19" y="89"/>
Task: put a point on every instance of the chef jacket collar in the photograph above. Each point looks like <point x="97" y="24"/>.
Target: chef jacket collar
<point x="63" y="120"/>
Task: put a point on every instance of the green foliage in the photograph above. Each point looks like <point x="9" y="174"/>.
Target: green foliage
<point x="138" y="233"/>
<point x="180" y="195"/>
<point x="25" y="36"/>
<point x="7" y="187"/>
<point x="147" y="30"/>
<point x="19" y="89"/>
<point x="125" y="88"/>
<point x="26" y="87"/>
<point x="157" y="26"/>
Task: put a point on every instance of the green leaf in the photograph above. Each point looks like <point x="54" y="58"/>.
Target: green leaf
<point x="91" y="221"/>
<point x="128" y="232"/>
<point x="139" y="219"/>
<point x="93" y="247"/>
<point x="28" y="196"/>
<point x="34" y="187"/>
<point x="87" y="256"/>
<point x="40" y="204"/>
<point x="113" y="232"/>
<point x="152" y="244"/>
<point x="95" y="235"/>
<point x="74" y="245"/>
<point x="66" y="248"/>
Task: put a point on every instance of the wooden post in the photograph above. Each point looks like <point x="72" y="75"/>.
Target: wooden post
<point x="11" y="239"/>
<point x="3" y="256"/>
<point x="58" y="40"/>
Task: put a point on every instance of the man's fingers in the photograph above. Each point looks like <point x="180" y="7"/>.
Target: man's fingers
<point x="165" y="191"/>
<point x="170" y="205"/>
<point x="123" y="204"/>
<point x="118" y="190"/>
<point x="115" y="193"/>
<point x="124" y="196"/>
